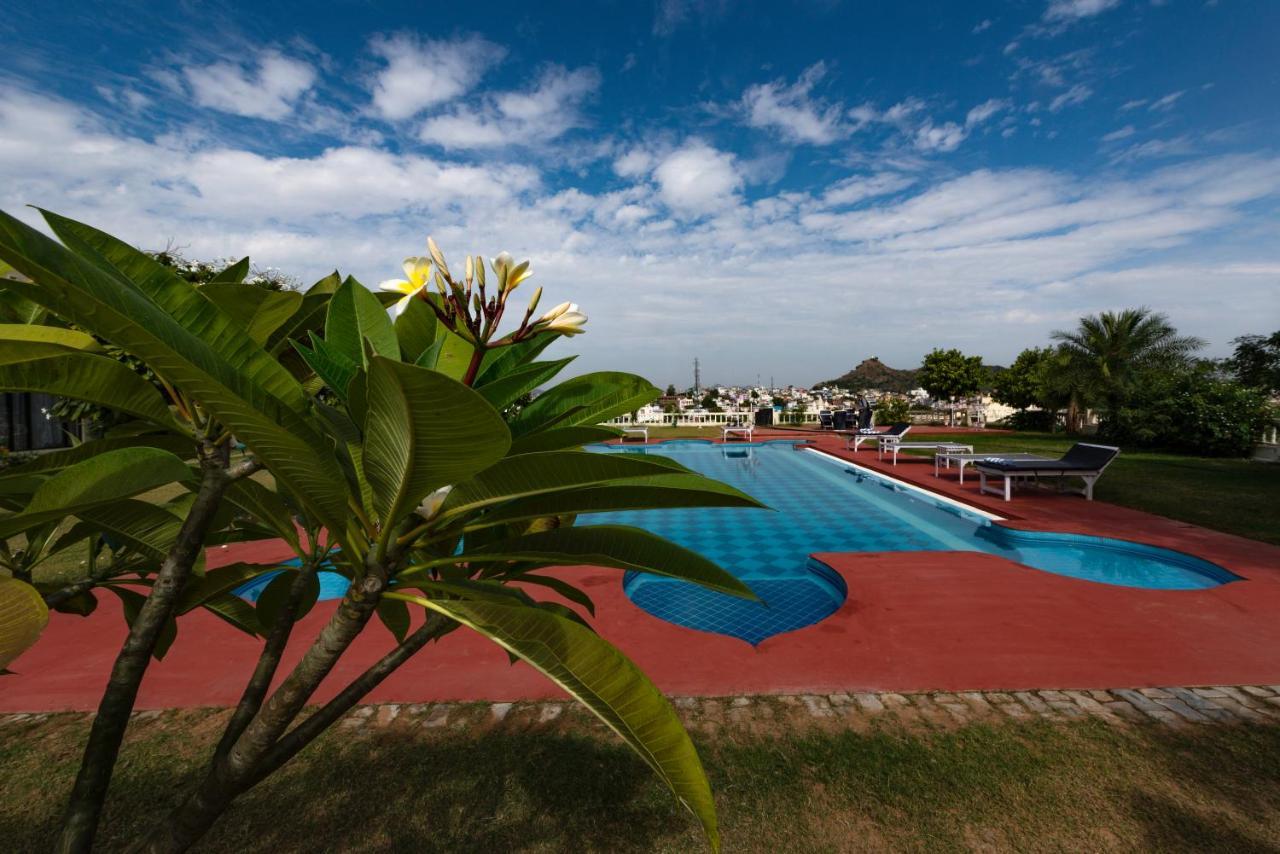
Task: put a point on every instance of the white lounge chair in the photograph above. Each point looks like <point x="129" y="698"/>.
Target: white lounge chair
<point x="853" y="439"/>
<point x="631" y="432"/>
<point x="743" y="431"/>
<point x="893" y="446"/>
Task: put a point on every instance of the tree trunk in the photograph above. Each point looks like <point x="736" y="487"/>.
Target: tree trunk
<point x="89" y="792"/>
<point x="228" y="777"/>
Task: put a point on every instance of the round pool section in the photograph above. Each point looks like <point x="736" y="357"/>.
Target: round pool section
<point x="787" y="602"/>
<point x="824" y="504"/>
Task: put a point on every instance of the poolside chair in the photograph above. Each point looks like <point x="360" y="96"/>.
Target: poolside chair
<point x="854" y="439"/>
<point x="741" y="429"/>
<point x="1084" y="461"/>
<point x="826" y="421"/>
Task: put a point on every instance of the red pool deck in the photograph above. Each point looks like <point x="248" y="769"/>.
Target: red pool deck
<point x="946" y="621"/>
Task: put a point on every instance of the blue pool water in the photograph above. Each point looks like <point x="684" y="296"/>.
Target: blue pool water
<point x="823" y="505"/>
<point x="333" y="585"/>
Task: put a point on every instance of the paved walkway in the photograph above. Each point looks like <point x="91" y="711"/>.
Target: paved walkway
<point x="913" y="622"/>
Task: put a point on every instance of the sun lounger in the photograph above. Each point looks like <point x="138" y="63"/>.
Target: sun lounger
<point x="964" y="458"/>
<point x="1084" y="461"/>
<point x="632" y="432"/>
<point x="893" y="446"/>
<point x="853" y="439"/>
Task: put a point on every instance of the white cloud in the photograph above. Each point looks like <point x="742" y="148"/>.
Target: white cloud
<point x="1132" y="105"/>
<point x="792" y="111"/>
<point x="850" y="191"/>
<point x="982" y="26"/>
<point x="269" y="91"/>
<point x="1073" y="10"/>
<point x="698" y="179"/>
<point x="633" y="164"/>
<point x="1119" y="134"/>
<point x="422" y="73"/>
<point x="1052" y="244"/>
<point x="944" y="137"/>
<point x="1077" y="94"/>
<point x="1167" y="102"/>
<point x="544" y="112"/>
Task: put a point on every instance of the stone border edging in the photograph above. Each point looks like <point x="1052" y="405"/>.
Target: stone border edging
<point x="1171" y="706"/>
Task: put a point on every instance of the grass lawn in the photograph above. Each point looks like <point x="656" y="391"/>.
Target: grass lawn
<point x="1030" y="786"/>
<point x="1236" y="496"/>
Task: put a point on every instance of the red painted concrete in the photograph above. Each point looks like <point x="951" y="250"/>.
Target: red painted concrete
<point x="913" y="621"/>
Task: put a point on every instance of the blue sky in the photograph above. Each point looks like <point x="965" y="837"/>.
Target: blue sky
<point x="780" y="189"/>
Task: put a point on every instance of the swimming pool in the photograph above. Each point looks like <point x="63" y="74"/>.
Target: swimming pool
<point x="823" y="504"/>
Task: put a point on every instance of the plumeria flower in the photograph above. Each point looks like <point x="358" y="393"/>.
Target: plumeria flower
<point x="431" y="505"/>
<point x="564" y="318"/>
<point x="417" y="271"/>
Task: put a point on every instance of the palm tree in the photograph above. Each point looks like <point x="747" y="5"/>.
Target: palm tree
<point x="1108" y="352"/>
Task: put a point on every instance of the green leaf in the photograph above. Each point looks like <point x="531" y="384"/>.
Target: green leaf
<point x="235" y="611"/>
<point x="234" y="274"/>
<point x="356" y="315"/>
<point x="82" y="604"/>
<point x="182" y="305"/>
<point x="220" y="366"/>
<point x="55" y="335"/>
<point x="416" y="329"/>
<point x="423" y="431"/>
<point x="503" y="360"/>
<point x="51" y="461"/>
<point x="264" y="505"/>
<point x="564" y="588"/>
<point x="449" y="353"/>
<point x="259" y="312"/>
<point x="563" y="437"/>
<point x="615" y="546"/>
<point x="275" y="596"/>
<point x="219" y="582"/>
<point x="23" y="616"/>
<point x="605" y="681"/>
<point x="585" y="400"/>
<point x="335" y="369"/>
<point x="133" y="602"/>
<point x="108" y="477"/>
<point x="394" y="614"/>
<point x="147" y="528"/>
<point x="502" y="392"/>
<point x="546" y="472"/>
<point x="310" y="315"/>
<point x="96" y="379"/>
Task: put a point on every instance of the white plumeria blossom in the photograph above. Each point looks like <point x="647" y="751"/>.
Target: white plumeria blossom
<point x="564" y="318"/>
<point x="557" y="311"/>
<point x="431" y="505"/>
<point x="417" y="272"/>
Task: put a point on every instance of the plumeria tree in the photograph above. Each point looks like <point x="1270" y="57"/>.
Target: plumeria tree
<point x="398" y="458"/>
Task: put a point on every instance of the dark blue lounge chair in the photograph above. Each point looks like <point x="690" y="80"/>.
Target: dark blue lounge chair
<point x="1084" y="461"/>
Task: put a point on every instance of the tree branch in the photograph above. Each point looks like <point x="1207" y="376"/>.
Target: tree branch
<point x="304" y="733"/>
<point x="268" y="662"/>
<point x="85" y="806"/>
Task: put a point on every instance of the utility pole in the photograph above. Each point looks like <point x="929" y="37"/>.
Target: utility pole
<point x="697" y="378"/>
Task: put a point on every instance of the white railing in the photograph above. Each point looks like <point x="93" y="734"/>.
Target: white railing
<point x="712" y="419"/>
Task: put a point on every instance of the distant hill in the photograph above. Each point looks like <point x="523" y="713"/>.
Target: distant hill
<point x="873" y="373"/>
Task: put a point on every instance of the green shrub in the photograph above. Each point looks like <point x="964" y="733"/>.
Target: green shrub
<point x="892" y="410"/>
<point x="1032" y="419"/>
<point x="1190" y="411"/>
